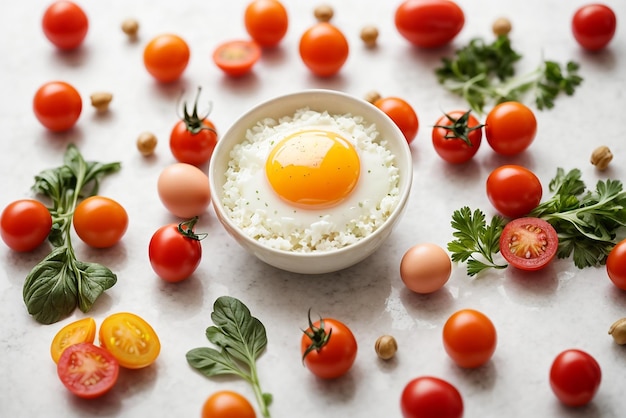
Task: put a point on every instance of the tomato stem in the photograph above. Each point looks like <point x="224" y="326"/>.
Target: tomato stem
<point x="459" y="128"/>
<point x="318" y="335"/>
<point x="195" y="122"/>
<point x="186" y="229"/>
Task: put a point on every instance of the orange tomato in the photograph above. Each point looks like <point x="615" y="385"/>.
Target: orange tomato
<point x="166" y="57"/>
<point x="266" y="21"/>
<point x="236" y="58"/>
<point x="402" y="113"/>
<point x="227" y="404"/>
<point x="469" y="338"/>
<point x="81" y="331"/>
<point x="100" y="222"/>
<point x="130" y="339"/>
<point x="323" y="49"/>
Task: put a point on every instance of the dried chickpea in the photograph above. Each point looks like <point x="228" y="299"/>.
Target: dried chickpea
<point x="372" y="96"/>
<point x="386" y="347"/>
<point x="618" y="331"/>
<point x="601" y="157"/>
<point x="146" y="143"/>
<point x="101" y="100"/>
<point x="501" y="26"/>
<point x="130" y="27"/>
<point x="323" y="13"/>
<point x="369" y="35"/>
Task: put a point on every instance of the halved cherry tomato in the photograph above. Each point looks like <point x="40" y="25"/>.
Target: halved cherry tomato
<point x="513" y="190"/>
<point x="328" y="348"/>
<point x="323" y="49"/>
<point x="529" y="243"/>
<point x="227" y="404"/>
<point x="81" y="331"/>
<point x="266" y="21"/>
<point x="100" y="222"/>
<point x="88" y="371"/>
<point x="130" y="339"/>
<point x="57" y="105"/>
<point x="175" y="251"/>
<point x="429" y="23"/>
<point x="593" y="26"/>
<point x="575" y="377"/>
<point x="469" y="338"/>
<point x="616" y="265"/>
<point x="65" y="24"/>
<point x="510" y="128"/>
<point x="25" y="224"/>
<point x="431" y="397"/>
<point x="457" y="136"/>
<point x="166" y="57"/>
<point x="402" y="113"/>
<point x="236" y="58"/>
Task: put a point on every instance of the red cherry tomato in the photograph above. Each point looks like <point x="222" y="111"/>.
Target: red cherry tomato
<point x="100" y="222"/>
<point x="88" y="371"/>
<point x="175" y="251"/>
<point x="429" y="23"/>
<point x="25" y="224"/>
<point x="236" y="58"/>
<point x="575" y="377"/>
<point x="510" y="128"/>
<point x="529" y="243"/>
<point x="193" y="138"/>
<point x="65" y="24"/>
<point x="402" y="113"/>
<point x="616" y="265"/>
<point x="457" y="136"/>
<point x="593" y="26"/>
<point x="469" y="338"/>
<point x="166" y="57"/>
<point x="57" y="106"/>
<point x="324" y="49"/>
<point x="328" y="348"/>
<point x="266" y="22"/>
<point x="513" y="190"/>
<point x="431" y="397"/>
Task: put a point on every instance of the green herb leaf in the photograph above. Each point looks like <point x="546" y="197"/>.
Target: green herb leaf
<point x="93" y="280"/>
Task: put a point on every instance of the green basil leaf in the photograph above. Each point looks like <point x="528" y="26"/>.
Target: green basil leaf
<point x="211" y="362"/>
<point x="93" y="280"/>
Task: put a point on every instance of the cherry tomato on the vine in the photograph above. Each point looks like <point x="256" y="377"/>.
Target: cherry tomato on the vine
<point x="65" y="24"/>
<point x="88" y="371"/>
<point x="513" y="190"/>
<point x="324" y="49"/>
<point x="80" y="331"/>
<point x="431" y="397"/>
<point x="402" y="113"/>
<point x="457" y="136"/>
<point x="175" y="251"/>
<point x="616" y="265"/>
<point x="266" y="21"/>
<point x="236" y="58"/>
<point x="510" y="128"/>
<point x="328" y="348"/>
<point x="100" y="222"/>
<point x="529" y="243"/>
<point x="227" y="404"/>
<point x="166" y="57"/>
<point x="25" y="224"/>
<point x="575" y="377"/>
<point x="469" y="338"/>
<point x="194" y="137"/>
<point x="429" y="23"/>
<point x="593" y="26"/>
<point x="57" y="105"/>
<point x="130" y="339"/>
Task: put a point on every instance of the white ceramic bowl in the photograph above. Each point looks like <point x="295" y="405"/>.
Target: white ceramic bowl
<point x="319" y="100"/>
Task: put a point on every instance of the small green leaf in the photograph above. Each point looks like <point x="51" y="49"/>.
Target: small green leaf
<point x="211" y="362"/>
<point x="93" y="279"/>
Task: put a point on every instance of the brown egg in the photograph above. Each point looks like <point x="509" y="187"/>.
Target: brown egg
<point x="184" y="190"/>
<point x="425" y="268"/>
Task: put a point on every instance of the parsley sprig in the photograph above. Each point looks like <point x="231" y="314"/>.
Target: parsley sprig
<point x="587" y="223"/>
<point x="484" y="73"/>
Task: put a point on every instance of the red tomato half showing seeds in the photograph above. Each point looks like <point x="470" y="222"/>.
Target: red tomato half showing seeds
<point x="328" y="348"/>
<point x="593" y="26"/>
<point x="402" y="113"/>
<point x="513" y="190"/>
<point x="616" y="265"/>
<point x="88" y="371"/>
<point x="529" y="243"/>
<point x="25" y="224"/>
<point x="166" y="57"/>
<point x="575" y="377"/>
<point x="65" y="24"/>
<point x="429" y="23"/>
<point x="469" y="338"/>
<point x="236" y="58"/>
<point x="266" y="21"/>
<point x="510" y="128"/>
<point x="431" y="397"/>
<point x="57" y="106"/>
<point x="323" y="49"/>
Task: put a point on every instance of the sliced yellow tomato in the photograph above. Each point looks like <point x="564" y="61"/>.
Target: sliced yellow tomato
<point x="81" y="331"/>
<point x="130" y="339"/>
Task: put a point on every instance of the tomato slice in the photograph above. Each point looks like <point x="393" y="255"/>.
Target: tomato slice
<point x="88" y="371"/>
<point x="81" y="331"/>
<point x="529" y="243"/>
<point x="236" y="58"/>
<point x="130" y="339"/>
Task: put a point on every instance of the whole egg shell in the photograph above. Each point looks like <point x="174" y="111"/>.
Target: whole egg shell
<point x="425" y="268"/>
<point x="184" y="190"/>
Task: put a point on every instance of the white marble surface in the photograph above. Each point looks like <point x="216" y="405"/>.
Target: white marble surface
<point x="536" y="315"/>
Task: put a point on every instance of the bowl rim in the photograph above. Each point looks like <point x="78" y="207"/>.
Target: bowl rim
<point x="404" y="192"/>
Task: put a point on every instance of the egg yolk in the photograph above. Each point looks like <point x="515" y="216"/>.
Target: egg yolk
<point x="313" y="168"/>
